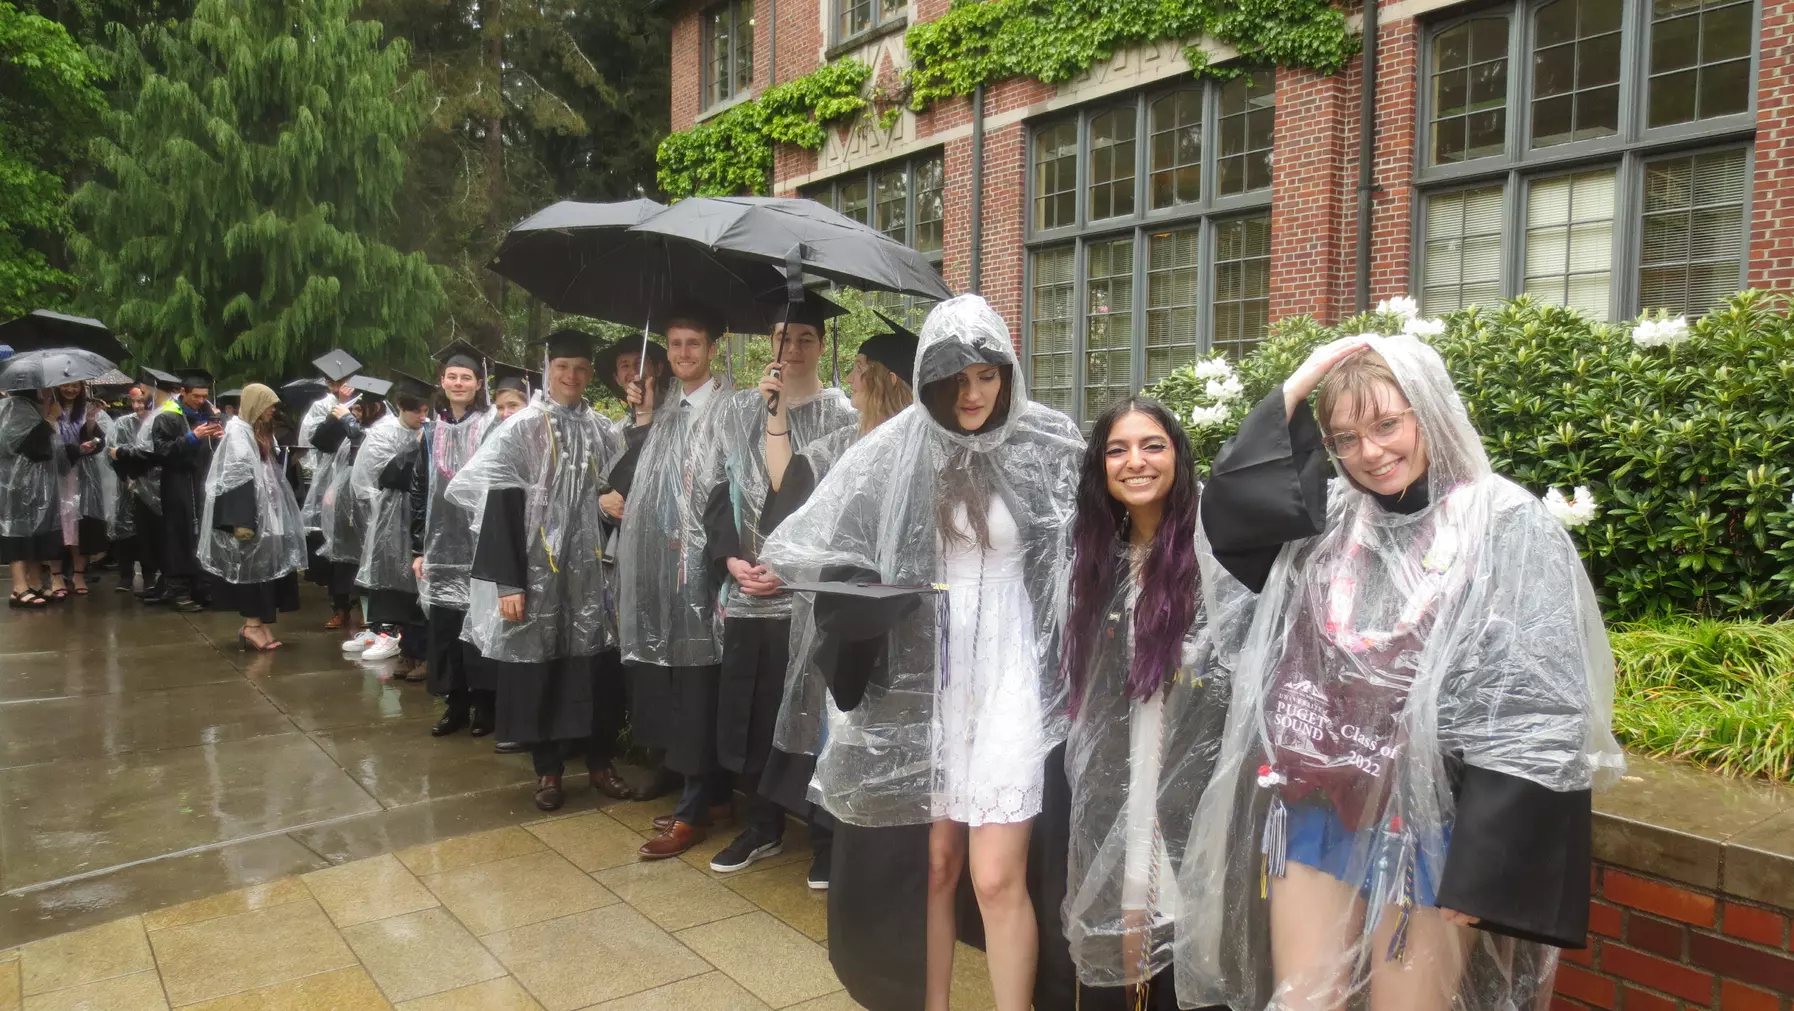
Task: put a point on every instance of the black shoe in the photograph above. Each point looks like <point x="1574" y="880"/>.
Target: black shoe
<point x="481" y="724"/>
<point x="187" y="605"/>
<point x="451" y="721"/>
<point x="818" y="876"/>
<point x="748" y="847"/>
<point x="508" y="748"/>
<point x="665" y="781"/>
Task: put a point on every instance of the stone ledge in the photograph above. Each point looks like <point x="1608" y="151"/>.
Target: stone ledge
<point x="1734" y="837"/>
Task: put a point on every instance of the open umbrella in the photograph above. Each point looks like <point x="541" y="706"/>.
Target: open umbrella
<point x="762" y="230"/>
<point x="40" y="370"/>
<point x="582" y="258"/>
<point x="40" y="329"/>
<point x="300" y="394"/>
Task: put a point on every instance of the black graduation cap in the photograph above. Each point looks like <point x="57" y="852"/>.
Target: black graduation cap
<point x="368" y="384"/>
<point x="813" y="309"/>
<point x="854" y="612"/>
<point x="605" y="363"/>
<point x="895" y="350"/>
<point x="166" y="381"/>
<point x="570" y="344"/>
<point x="412" y="388"/>
<point x="506" y="376"/>
<point x="195" y="378"/>
<point x="229" y="398"/>
<point x="703" y="315"/>
<point x="337" y="365"/>
<point x="459" y="352"/>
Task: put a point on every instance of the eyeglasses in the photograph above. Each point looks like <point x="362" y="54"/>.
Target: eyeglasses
<point x="1383" y="431"/>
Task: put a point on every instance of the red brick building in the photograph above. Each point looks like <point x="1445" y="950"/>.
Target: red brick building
<point x="1612" y="154"/>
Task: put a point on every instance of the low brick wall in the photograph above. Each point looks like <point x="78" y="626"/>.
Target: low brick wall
<point x="1693" y="890"/>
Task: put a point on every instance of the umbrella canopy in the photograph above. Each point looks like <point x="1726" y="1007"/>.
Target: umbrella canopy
<point x="300" y="394"/>
<point x="40" y="329"/>
<point x="833" y="246"/>
<point x="40" y="370"/>
<point x="582" y="258"/>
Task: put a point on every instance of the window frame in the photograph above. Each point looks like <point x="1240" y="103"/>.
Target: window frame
<point x="707" y="82"/>
<point x="880" y="23"/>
<point x="1203" y="214"/>
<point x="828" y="193"/>
<point x="1628" y="151"/>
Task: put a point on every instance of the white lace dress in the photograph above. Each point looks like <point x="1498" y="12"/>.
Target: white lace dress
<point x="990" y="746"/>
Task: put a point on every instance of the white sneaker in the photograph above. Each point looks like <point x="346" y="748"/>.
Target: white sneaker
<point x="361" y="641"/>
<point x="386" y="646"/>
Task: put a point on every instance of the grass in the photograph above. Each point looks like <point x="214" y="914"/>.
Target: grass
<point x="1716" y="693"/>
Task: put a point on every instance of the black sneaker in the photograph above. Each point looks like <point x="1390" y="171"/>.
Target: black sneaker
<point x="748" y="847"/>
<point x="818" y="877"/>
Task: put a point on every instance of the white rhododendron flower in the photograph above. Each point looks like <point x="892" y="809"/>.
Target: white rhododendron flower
<point x="1403" y="306"/>
<point x="1213" y="368"/>
<point x="1658" y="333"/>
<point x="1423" y="327"/>
<point x="1223" y="390"/>
<point x="1209" y="417"/>
<point x="1575" y="511"/>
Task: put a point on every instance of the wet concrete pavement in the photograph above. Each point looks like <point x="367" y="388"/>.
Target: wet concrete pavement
<point x="145" y="760"/>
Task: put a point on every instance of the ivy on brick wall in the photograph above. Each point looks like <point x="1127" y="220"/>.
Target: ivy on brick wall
<point x="985" y="41"/>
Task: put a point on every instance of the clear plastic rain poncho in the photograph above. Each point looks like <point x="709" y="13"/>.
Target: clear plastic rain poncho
<point x="1379" y="648"/>
<point x="386" y="533"/>
<point x="149" y="483"/>
<point x="1136" y="770"/>
<point x="342" y="514"/>
<point x="929" y="735"/>
<point x="123" y="524"/>
<point x="89" y="486"/>
<point x="326" y="468"/>
<point x="449" y="537"/>
<point x="558" y="456"/>
<point x="738" y="444"/>
<point x="666" y="597"/>
<point x="278" y="546"/>
<point x="804" y="707"/>
<point x="28" y="493"/>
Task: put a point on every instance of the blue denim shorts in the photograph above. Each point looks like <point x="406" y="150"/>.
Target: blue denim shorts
<point x="1318" y="839"/>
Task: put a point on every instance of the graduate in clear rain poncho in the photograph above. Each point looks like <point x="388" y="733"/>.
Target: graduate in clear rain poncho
<point x="536" y="603"/>
<point x="135" y="459"/>
<point x="1152" y="627"/>
<point x="1401" y="811"/>
<point x="125" y="544"/>
<point x="342" y="514"/>
<point x="971" y="488"/>
<point x="251" y="535"/>
<point x="87" y="487"/>
<point x="667" y="591"/>
<point x="30" y="530"/>
<point x="442" y="539"/>
<point x="791" y="408"/>
<point x="328" y="435"/>
<point x="879" y="380"/>
<point x="382" y="476"/>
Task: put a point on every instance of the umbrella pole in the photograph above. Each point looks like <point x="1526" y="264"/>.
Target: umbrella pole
<point x="834" y="340"/>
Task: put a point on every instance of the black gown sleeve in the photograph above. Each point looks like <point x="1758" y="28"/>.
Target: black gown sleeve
<point x="1269" y="487"/>
<point x="235" y="508"/>
<point x="330" y="435"/>
<point x="721" y="540"/>
<point x="39" y="444"/>
<point x="622" y="473"/>
<point x="397" y="474"/>
<point x="500" y="556"/>
<point x="173" y="448"/>
<point x="794" y="491"/>
<point x="418" y="497"/>
<point x="1519" y="858"/>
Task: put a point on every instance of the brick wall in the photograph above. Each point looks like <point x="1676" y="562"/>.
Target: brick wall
<point x="688" y="69"/>
<point x="1659" y="946"/>
<point x="1772" y="196"/>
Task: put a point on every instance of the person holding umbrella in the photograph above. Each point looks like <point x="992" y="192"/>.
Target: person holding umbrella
<point x="790" y="409"/>
<point x="135" y="459"/>
<point x="442" y="540"/>
<point x="667" y="598"/>
<point x="83" y="429"/>
<point x="251" y="536"/>
<point x="181" y="436"/>
<point x="536" y="600"/>
<point x="29" y="532"/>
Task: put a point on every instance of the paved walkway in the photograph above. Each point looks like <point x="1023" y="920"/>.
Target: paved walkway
<point x="183" y="825"/>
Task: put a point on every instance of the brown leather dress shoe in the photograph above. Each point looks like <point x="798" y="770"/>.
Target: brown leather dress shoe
<point x="610" y="784"/>
<point x="337" y="620"/>
<point x="549" y="795"/>
<point x="718" y="814"/>
<point x="674" y="841"/>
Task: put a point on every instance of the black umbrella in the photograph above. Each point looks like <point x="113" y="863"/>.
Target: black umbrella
<point x="40" y="370"/>
<point x="40" y="329"/>
<point x="763" y="230"/>
<point x="300" y="394"/>
<point x="582" y="258"/>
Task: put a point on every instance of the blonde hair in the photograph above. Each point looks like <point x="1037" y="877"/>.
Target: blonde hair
<point x="519" y="394"/>
<point x="885" y="395"/>
<point x="1360" y="376"/>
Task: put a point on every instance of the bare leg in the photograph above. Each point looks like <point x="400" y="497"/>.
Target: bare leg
<point x="946" y="859"/>
<point x="1315" y="920"/>
<point x="19" y="583"/>
<point x="1011" y="937"/>
<point x="77" y="571"/>
<point x="1428" y="976"/>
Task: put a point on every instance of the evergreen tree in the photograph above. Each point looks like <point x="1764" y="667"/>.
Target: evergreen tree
<point x="48" y="108"/>
<point x="244" y="184"/>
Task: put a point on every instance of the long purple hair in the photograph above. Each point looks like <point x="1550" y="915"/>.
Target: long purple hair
<point x="1168" y="591"/>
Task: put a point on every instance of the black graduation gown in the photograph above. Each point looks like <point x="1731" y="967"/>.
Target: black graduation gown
<point x="1519" y="853"/>
<point x="185" y="461"/>
<point x="756" y="651"/>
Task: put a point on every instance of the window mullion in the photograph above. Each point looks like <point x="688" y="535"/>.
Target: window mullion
<point x="1137" y="356"/>
<point x="1513" y="239"/>
<point x="1079" y="336"/>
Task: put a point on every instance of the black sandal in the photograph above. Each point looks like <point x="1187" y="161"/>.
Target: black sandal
<point x="248" y="645"/>
<point x="27" y="599"/>
<point x="80" y="591"/>
<point x="57" y="595"/>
